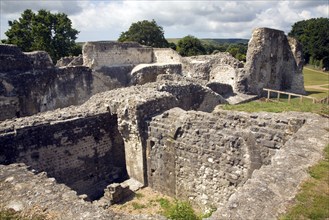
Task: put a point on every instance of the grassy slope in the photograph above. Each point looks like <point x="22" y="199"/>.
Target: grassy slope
<point x="314" y="77"/>
<point x="310" y="78"/>
<point x="312" y="202"/>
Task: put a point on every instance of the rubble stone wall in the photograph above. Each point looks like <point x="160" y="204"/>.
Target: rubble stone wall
<point x="100" y="54"/>
<point x="9" y="107"/>
<point x="271" y="63"/>
<point x="166" y="55"/>
<point x="134" y="106"/>
<point x="205" y="157"/>
<point x="146" y="73"/>
<point x="84" y="153"/>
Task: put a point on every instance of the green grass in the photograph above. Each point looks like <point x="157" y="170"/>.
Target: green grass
<point x="10" y="214"/>
<point x="312" y="77"/>
<point x="312" y="202"/>
<point x="179" y="210"/>
<point x="139" y="195"/>
<point x="282" y="106"/>
<point x="137" y="205"/>
<point x="315" y="77"/>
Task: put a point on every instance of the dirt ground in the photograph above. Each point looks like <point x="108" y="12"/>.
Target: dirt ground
<point x="144" y="201"/>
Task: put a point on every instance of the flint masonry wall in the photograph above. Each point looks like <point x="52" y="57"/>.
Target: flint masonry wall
<point x="100" y="54"/>
<point x="166" y="55"/>
<point x="204" y="157"/>
<point x="273" y="62"/>
<point x="86" y="154"/>
<point x="29" y="83"/>
<point x="134" y="106"/>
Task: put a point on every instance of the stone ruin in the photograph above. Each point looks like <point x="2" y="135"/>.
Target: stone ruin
<point x="123" y="113"/>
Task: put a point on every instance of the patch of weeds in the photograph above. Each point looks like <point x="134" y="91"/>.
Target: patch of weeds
<point x="137" y="205"/>
<point x="9" y="214"/>
<point x="152" y="202"/>
<point x="164" y="203"/>
<point x="179" y="210"/>
<point x="139" y="195"/>
<point x="312" y="201"/>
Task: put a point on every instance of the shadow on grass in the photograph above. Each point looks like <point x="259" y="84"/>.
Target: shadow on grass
<point x="313" y="92"/>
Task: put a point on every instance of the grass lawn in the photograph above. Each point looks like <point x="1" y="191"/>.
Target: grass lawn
<point x="311" y="78"/>
<point x="312" y="202"/>
<point x="282" y="106"/>
<point x="314" y="77"/>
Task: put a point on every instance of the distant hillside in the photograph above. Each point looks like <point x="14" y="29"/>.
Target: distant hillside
<point x="215" y="40"/>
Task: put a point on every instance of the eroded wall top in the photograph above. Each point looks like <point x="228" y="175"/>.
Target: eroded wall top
<point x="99" y="54"/>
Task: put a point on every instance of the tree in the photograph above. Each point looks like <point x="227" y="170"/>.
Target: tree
<point x="145" y="32"/>
<point x="313" y="34"/>
<point x="190" y="46"/>
<point x="43" y="31"/>
<point x="238" y="51"/>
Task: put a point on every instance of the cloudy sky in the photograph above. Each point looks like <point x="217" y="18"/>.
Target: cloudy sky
<point x="105" y="20"/>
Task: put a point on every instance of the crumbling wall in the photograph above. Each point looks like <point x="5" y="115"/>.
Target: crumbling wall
<point x="85" y="153"/>
<point x="40" y="60"/>
<point x="204" y="157"/>
<point x="146" y="73"/>
<point x="12" y="59"/>
<point x="9" y="107"/>
<point x="100" y="54"/>
<point x="166" y="55"/>
<point x="272" y="189"/>
<point x="36" y="85"/>
<point x="271" y="63"/>
<point x="134" y="106"/>
<point x="220" y="68"/>
<point x="70" y="61"/>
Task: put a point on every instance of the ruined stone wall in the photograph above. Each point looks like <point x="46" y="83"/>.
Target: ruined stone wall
<point x="166" y="55"/>
<point x="35" y="85"/>
<point x="146" y="73"/>
<point x="271" y="63"/>
<point x="70" y="86"/>
<point x="46" y="89"/>
<point x="9" y="106"/>
<point x="272" y="189"/>
<point x="134" y="106"/>
<point x="39" y="60"/>
<point x="84" y="153"/>
<point x="221" y="68"/>
<point x="100" y="54"/>
<point x="205" y="157"/>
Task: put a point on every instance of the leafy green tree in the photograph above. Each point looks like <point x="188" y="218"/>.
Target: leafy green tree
<point x="190" y="46"/>
<point x="238" y="51"/>
<point x="172" y="46"/>
<point x="147" y="33"/>
<point x="313" y="34"/>
<point x="44" y="31"/>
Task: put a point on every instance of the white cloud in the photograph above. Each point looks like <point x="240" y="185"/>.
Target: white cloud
<point x="105" y="20"/>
